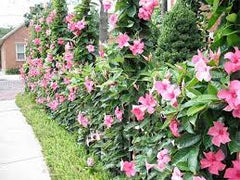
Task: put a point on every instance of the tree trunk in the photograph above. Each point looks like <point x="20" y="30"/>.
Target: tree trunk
<point x="103" y="25"/>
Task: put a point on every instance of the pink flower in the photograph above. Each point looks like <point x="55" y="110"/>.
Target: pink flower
<point x="232" y="97"/>
<point x="199" y="57"/>
<point x="233" y="173"/>
<point x="137" y="47"/>
<point x="144" y="14"/>
<point x="234" y="64"/>
<point x="148" y="166"/>
<point x="219" y="133"/>
<point x="202" y="71"/>
<point x="198" y="178"/>
<point x="90" y="48"/>
<point x="162" y="86"/>
<point x="108" y="120"/>
<point x="139" y="112"/>
<point x="163" y="159"/>
<point x="118" y="113"/>
<point x="128" y="168"/>
<point x="80" y="25"/>
<point x="66" y="81"/>
<point x="89" y="85"/>
<point x="101" y="53"/>
<point x="69" y="18"/>
<point x="90" y="162"/>
<point x="122" y="40"/>
<point x="213" y="162"/>
<point x="68" y="56"/>
<point x="38" y="28"/>
<point x="215" y="56"/>
<point x="53" y="105"/>
<point x="174" y="127"/>
<point x="171" y="95"/>
<point x="148" y="103"/>
<point x="113" y="20"/>
<point x="60" y="41"/>
<point x="107" y="4"/>
<point x="54" y="86"/>
<point x="82" y="120"/>
<point x="176" y="175"/>
<point x="72" y="26"/>
<point x="37" y="41"/>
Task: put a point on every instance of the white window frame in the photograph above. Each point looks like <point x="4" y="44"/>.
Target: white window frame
<point x="24" y="44"/>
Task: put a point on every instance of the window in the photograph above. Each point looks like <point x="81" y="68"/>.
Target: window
<point x="20" y="51"/>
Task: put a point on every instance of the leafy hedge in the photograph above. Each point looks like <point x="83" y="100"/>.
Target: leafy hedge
<point x="149" y="119"/>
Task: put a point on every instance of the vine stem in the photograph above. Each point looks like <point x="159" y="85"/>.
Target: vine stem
<point x="238" y="156"/>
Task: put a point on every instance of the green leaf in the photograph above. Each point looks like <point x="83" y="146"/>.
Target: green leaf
<point x="215" y="5"/>
<point x="131" y="11"/>
<point x="181" y="156"/>
<point x="234" y="145"/>
<point x="233" y="40"/>
<point x="187" y="140"/>
<point x="193" y="160"/>
<point x="195" y="109"/>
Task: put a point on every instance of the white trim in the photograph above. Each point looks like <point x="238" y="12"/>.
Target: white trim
<point x="24" y="46"/>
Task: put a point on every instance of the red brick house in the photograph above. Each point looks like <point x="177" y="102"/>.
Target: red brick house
<point x="12" y="47"/>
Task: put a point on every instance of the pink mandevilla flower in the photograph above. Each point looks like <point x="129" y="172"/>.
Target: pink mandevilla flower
<point x="234" y="64"/>
<point x="149" y="166"/>
<point x="108" y="120"/>
<point x="38" y="28"/>
<point x="219" y="134"/>
<point x="176" y="175"/>
<point x="122" y="40"/>
<point x="60" y="41"/>
<point x="203" y="71"/>
<point x="107" y="4"/>
<point x="82" y="120"/>
<point x="198" y="178"/>
<point x="148" y="103"/>
<point x="36" y="41"/>
<point x="90" y="48"/>
<point x="128" y="168"/>
<point x="80" y="25"/>
<point x="113" y="20"/>
<point x="89" y="85"/>
<point x="174" y="127"/>
<point x="163" y="159"/>
<point x="138" y="111"/>
<point x="118" y="113"/>
<point x="212" y="161"/>
<point x="53" y="105"/>
<point x="232" y="97"/>
<point x="137" y="47"/>
<point x="234" y="172"/>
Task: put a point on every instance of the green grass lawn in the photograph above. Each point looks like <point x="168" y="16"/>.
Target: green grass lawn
<point x="64" y="157"/>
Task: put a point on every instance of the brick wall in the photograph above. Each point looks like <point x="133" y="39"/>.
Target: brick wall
<point x="8" y="50"/>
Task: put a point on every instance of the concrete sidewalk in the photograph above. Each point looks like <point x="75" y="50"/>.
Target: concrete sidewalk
<point x="20" y="152"/>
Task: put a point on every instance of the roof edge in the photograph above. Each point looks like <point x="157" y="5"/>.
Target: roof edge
<point x="6" y="36"/>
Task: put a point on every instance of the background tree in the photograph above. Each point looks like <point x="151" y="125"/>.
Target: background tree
<point x="179" y="37"/>
<point x="103" y="26"/>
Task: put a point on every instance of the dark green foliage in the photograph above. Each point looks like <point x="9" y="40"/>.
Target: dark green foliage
<point x="87" y="11"/>
<point x="12" y="71"/>
<point x="180" y="37"/>
<point x="4" y="31"/>
<point x="35" y="12"/>
<point x="228" y="33"/>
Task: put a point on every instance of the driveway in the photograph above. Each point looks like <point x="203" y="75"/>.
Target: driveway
<point x="10" y="85"/>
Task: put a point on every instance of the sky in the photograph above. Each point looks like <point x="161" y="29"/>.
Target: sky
<point x="12" y="11"/>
